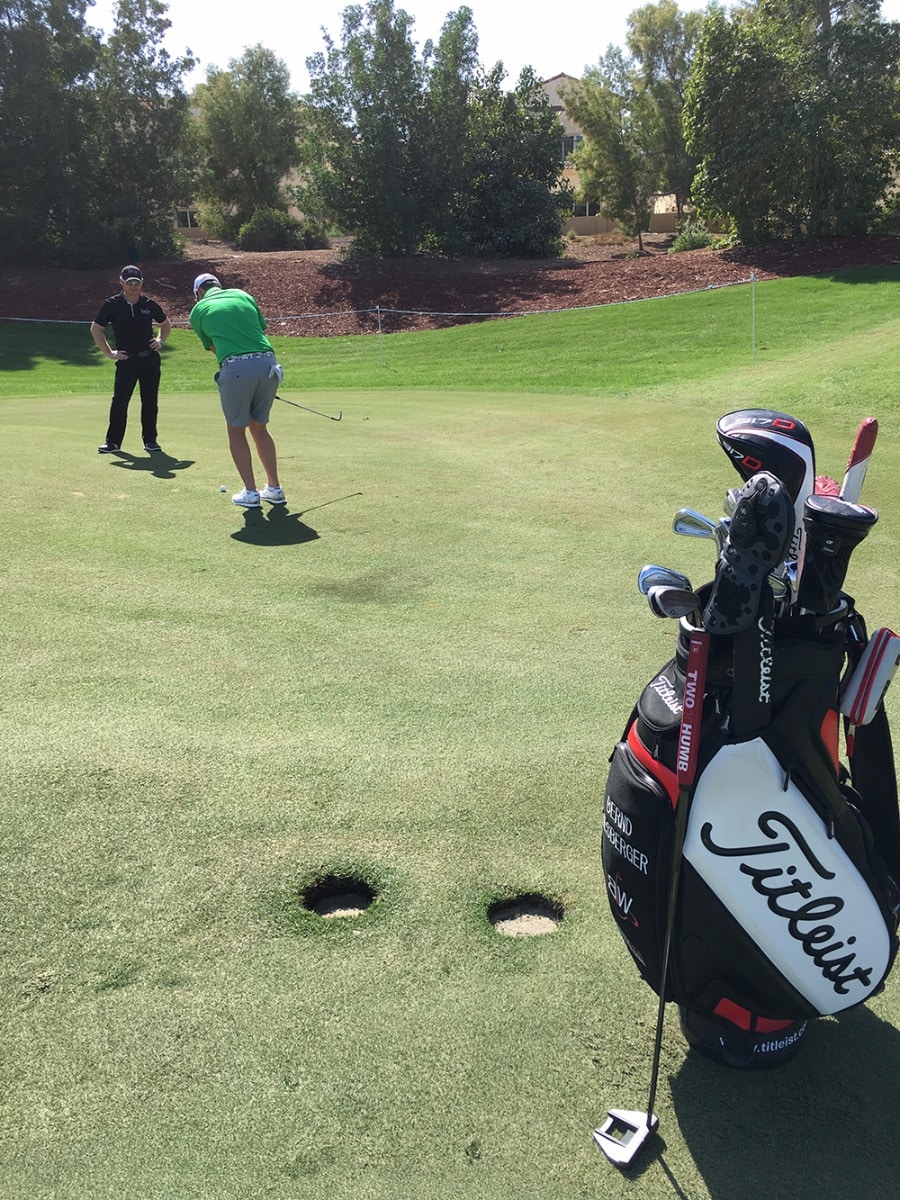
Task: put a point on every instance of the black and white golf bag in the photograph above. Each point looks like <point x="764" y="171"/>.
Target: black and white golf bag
<point x="787" y="902"/>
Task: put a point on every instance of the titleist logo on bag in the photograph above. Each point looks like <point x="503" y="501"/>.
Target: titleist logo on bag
<point x="768" y="858"/>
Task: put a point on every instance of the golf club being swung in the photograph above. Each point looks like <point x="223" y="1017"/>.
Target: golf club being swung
<point x="306" y="408"/>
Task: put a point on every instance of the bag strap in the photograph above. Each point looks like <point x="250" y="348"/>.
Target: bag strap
<point x="874" y="777"/>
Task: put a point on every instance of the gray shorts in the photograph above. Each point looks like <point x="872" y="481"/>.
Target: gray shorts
<point x="246" y="390"/>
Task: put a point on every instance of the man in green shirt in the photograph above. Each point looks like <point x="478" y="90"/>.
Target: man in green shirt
<point x="229" y="323"/>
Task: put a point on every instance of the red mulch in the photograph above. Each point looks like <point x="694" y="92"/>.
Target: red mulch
<point x="332" y="295"/>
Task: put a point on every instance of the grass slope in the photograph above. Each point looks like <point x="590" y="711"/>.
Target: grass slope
<point x="417" y="673"/>
<point x="601" y="351"/>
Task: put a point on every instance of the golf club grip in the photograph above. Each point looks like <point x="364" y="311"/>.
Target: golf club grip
<point x="858" y="462"/>
<point x="692" y="708"/>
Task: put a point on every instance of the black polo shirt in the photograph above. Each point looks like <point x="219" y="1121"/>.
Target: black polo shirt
<point x="133" y="323"/>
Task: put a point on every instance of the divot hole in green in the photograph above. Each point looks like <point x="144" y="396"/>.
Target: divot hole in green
<point x="338" y="896"/>
<point x="527" y="915"/>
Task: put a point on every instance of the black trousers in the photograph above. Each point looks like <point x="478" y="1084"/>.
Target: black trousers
<point x="131" y="372"/>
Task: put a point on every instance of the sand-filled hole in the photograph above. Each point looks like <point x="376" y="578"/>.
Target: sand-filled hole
<point x="525" y="916"/>
<point x="338" y="896"/>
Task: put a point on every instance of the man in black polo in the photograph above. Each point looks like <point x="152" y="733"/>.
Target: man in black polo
<point x="132" y="316"/>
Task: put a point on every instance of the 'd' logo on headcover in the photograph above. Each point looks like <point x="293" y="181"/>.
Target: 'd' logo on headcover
<point x="768" y="858"/>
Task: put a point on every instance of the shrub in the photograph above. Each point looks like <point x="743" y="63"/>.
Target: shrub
<point x="271" y="229"/>
<point x="691" y="236"/>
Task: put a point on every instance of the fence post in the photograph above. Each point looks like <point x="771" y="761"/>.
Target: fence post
<point x="753" y="314"/>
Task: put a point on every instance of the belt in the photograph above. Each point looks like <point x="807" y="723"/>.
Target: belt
<point x="141" y="353"/>
<point x="253" y="354"/>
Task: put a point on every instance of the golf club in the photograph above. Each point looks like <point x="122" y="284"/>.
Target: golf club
<point x="691" y="523"/>
<point x="759" y="439"/>
<point x="732" y="496"/>
<point x="625" y="1131"/>
<point x="858" y="463"/>
<point x="311" y="410"/>
<point x="651" y="576"/>
<point x="673" y="602"/>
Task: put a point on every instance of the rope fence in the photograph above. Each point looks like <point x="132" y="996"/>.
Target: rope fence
<point x="367" y="321"/>
<point x="380" y="310"/>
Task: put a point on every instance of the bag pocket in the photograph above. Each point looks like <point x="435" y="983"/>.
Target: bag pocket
<point x="638" y="826"/>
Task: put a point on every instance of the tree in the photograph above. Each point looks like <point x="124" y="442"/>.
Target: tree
<point x="618" y="162"/>
<point x="792" y="113"/>
<point x="141" y="138"/>
<point x="47" y="55"/>
<point x="410" y="152"/>
<point x="369" y="127"/>
<point x="249" y="124"/>
<point x="453" y="72"/>
<point x="512" y="205"/>
<point x="91" y="136"/>
<point x="662" y="41"/>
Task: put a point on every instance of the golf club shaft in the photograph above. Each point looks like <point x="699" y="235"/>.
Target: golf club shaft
<point x="306" y="408"/>
<point x="688" y="753"/>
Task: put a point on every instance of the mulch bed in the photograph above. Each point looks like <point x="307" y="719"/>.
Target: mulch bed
<point x="320" y="292"/>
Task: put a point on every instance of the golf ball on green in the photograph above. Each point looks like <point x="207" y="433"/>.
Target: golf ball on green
<point x="223" y="488"/>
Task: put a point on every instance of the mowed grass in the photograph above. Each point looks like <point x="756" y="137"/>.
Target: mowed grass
<point x="415" y="674"/>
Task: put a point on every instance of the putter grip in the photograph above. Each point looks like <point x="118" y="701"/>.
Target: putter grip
<point x="692" y="708"/>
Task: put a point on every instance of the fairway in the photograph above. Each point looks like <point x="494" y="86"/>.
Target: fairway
<point x="413" y="675"/>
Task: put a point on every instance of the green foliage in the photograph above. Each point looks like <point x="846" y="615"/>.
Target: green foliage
<point x="887" y="219"/>
<point x="407" y="152"/>
<point x="271" y="229"/>
<point x="630" y="110"/>
<point x="691" y="235"/>
<point x="662" y="41"/>
<point x="143" y="158"/>
<point x="47" y="56"/>
<point x="94" y="150"/>
<point x="248" y="123"/>
<point x="616" y="163"/>
<point x="366" y="151"/>
<point x="792" y="112"/>
<point x="512" y="207"/>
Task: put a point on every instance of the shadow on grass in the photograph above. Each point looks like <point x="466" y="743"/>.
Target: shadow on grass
<point x="163" y="466"/>
<point x="821" y="1125"/>
<point x="277" y="527"/>
<point x="25" y="346"/>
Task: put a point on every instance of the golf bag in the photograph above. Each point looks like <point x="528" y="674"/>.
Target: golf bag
<point x="788" y="903"/>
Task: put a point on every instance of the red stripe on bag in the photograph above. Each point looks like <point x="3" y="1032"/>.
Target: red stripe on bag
<point x="744" y="1018"/>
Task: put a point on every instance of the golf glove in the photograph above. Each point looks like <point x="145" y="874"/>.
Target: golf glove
<point x="277" y="372"/>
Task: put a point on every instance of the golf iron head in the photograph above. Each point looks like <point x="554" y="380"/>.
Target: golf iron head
<point x="691" y="523"/>
<point x="651" y="575"/>
<point x="673" y="602"/>
<point x="624" y="1133"/>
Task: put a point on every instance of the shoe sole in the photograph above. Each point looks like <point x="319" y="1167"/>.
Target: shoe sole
<point x="283" y="500"/>
<point x="241" y="504"/>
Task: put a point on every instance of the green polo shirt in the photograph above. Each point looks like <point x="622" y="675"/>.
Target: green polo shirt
<point x="229" y="321"/>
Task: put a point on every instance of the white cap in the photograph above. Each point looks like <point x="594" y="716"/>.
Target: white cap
<point x="204" y="281"/>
